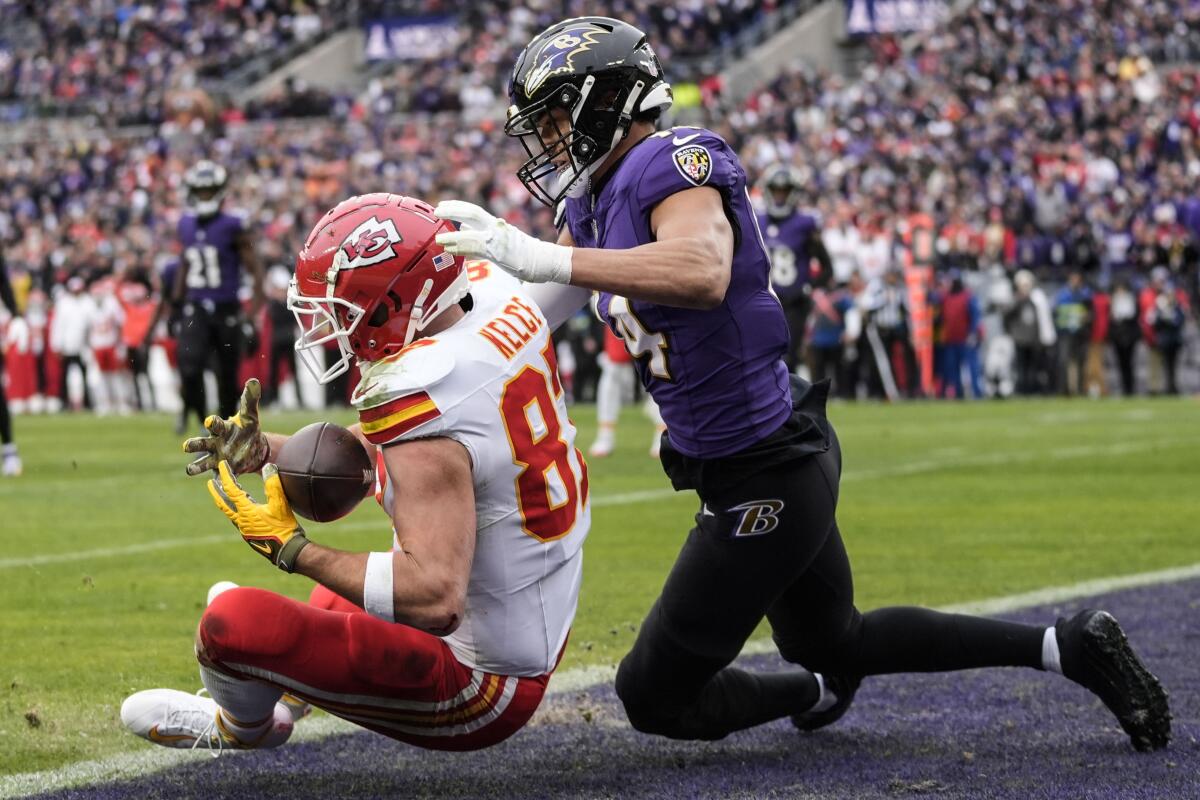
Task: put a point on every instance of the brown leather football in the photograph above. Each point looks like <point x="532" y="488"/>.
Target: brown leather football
<point x="325" y="471"/>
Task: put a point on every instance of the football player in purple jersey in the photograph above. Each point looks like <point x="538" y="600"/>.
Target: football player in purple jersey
<point x="660" y="225"/>
<point x="215" y="249"/>
<point x="793" y="240"/>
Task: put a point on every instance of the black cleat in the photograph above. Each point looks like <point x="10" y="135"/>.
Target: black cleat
<point x="1096" y="655"/>
<point x="843" y="688"/>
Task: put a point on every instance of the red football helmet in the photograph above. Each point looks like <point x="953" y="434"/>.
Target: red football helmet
<point x="370" y="278"/>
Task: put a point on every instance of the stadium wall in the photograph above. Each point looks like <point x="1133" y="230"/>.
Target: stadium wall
<point x="814" y="38"/>
<point x="332" y="65"/>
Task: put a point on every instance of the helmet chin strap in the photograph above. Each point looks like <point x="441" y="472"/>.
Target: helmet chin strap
<point x="416" y="320"/>
<point x="583" y="183"/>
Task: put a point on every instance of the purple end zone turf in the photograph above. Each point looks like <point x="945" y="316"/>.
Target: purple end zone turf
<point x="1009" y="733"/>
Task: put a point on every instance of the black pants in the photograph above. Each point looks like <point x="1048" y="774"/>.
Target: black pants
<point x="1125" y="349"/>
<point x="283" y="351"/>
<point x="770" y="546"/>
<point x="898" y="339"/>
<point x="78" y="361"/>
<point x="825" y="363"/>
<point x="210" y="337"/>
<point x="138" y="360"/>
<point x="796" y="315"/>
<point x="1170" y="360"/>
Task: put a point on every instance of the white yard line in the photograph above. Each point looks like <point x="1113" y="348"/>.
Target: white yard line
<point x="649" y="495"/>
<point x="144" y="761"/>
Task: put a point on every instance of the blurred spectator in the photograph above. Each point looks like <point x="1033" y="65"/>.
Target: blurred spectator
<point x="281" y="353"/>
<point x="1072" y="323"/>
<point x="1124" y="333"/>
<point x="890" y="315"/>
<point x="1095" y="381"/>
<point x="1165" y="317"/>
<point x="959" y="319"/>
<point x="1029" y="324"/>
<point x="828" y="339"/>
<point x="73" y="310"/>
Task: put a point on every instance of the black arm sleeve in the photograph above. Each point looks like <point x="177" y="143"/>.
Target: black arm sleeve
<point x="6" y="291"/>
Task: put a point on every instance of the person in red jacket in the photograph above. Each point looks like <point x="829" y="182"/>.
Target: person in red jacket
<point x="959" y="318"/>
<point x="1094" y="383"/>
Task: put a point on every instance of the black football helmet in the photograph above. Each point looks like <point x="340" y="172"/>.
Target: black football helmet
<point x="600" y="73"/>
<point x="781" y="187"/>
<point x="205" y="183"/>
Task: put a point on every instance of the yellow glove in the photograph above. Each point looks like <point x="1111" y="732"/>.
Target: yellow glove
<point x="270" y="528"/>
<point x="237" y="439"/>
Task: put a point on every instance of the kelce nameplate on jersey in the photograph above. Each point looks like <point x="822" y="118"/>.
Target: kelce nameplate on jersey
<point x="515" y="325"/>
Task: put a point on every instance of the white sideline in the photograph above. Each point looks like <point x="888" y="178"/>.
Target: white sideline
<point x="149" y="760"/>
<point x="647" y="495"/>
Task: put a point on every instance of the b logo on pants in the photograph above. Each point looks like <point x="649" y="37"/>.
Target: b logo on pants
<point x="758" y="517"/>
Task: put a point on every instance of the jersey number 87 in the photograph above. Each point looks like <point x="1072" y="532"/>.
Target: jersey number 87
<point x="541" y="451"/>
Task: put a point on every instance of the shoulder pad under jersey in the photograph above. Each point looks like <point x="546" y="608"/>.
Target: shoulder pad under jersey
<point x="414" y="369"/>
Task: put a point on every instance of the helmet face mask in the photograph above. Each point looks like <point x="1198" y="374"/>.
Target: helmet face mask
<point x="206" y="183"/>
<point x="781" y="187"/>
<point x="369" y="279"/>
<point x="595" y="75"/>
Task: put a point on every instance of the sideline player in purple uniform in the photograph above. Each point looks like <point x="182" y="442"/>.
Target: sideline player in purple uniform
<point x="793" y="241"/>
<point x="660" y="225"/>
<point x="214" y="248"/>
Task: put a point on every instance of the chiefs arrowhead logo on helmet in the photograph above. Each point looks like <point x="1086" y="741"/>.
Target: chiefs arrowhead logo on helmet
<point x="374" y="292"/>
<point x="370" y="243"/>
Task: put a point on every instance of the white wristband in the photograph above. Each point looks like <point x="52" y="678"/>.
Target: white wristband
<point x="377" y="587"/>
<point x="553" y="263"/>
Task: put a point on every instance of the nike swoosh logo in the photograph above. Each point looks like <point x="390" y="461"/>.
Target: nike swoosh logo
<point x="261" y="547"/>
<point x="154" y="736"/>
<point x="677" y="141"/>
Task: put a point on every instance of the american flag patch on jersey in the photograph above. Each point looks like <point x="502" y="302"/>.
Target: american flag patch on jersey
<point x="443" y="260"/>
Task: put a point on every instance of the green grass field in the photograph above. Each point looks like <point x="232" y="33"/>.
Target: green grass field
<point x="109" y="549"/>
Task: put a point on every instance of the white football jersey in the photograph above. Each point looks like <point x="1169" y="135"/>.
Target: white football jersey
<point x="490" y="382"/>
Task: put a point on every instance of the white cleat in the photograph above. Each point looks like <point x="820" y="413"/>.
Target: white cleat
<point x="172" y="718"/>
<point x="12" y="467"/>
<point x="601" y="448"/>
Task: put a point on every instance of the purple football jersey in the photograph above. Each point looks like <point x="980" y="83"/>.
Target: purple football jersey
<point x="717" y="374"/>
<point x="787" y="243"/>
<point x="210" y="256"/>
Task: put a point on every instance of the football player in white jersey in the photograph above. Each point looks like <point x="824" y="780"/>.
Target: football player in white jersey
<point x="448" y="639"/>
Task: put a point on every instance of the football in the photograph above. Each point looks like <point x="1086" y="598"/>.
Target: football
<point x="325" y="471"/>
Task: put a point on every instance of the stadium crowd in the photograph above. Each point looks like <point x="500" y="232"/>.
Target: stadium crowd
<point x="1032" y="148"/>
<point x="137" y="62"/>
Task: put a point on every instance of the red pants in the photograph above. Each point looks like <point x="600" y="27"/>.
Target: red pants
<point x="390" y="678"/>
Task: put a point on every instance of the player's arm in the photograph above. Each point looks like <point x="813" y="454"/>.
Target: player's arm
<point x="424" y="584"/>
<point x="433" y="513"/>
<point x="557" y="301"/>
<point x="249" y="257"/>
<point x="689" y="265"/>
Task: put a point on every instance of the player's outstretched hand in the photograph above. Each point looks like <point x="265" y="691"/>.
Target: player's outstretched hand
<point x="270" y="528"/>
<point x="482" y="235"/>
<point x="236" y="439"/>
